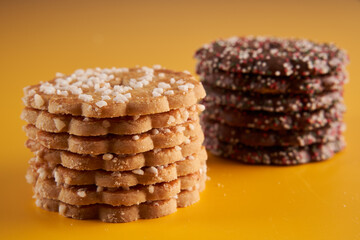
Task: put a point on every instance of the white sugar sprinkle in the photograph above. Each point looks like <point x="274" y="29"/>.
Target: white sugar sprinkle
<point x="169" y="92"/>
<point x="183" y="88"/>
<point x="153" y="170"/>
<point x="107" y="157"/>
<point x="201" y="107"/>
<point x="135" y="137"/>
<point x="39" y="101"/>
<point x="138" y="171"/>
<point x="85" y="97"/>
<point x="81" y="193"/>
<point x="163" y="85"/>
<point x="101" y="104"/>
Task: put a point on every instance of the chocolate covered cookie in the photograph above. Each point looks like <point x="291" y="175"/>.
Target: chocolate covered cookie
<point x="275" y="155"/>
<point x="271" y="56"/>
<point x="305" y="120"/>
<point x="270" y="102"/>
<point x="256" y="137"/>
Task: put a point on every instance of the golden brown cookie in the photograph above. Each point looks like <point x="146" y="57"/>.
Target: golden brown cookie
<point x="115" y="162"/>
<point x="125" y="144"/>
<point x="91" y="194"/>
<point x="115" y="92"/>
<point x="122" y="214"/>
<point x="83" y="126"/>
<point x="143" y="176"/>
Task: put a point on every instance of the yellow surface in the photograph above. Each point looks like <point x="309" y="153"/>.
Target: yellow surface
<point x="39" y="38"/>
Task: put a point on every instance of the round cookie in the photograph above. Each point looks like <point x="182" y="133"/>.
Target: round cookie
<point x="271" y="56"/>
<point x="304" y="120"/>
<point x="122" y="214"/>
<point x="275" y="155"/>
<point x="119" y="144"/>
<point x="115" y="92"/>
<point x="270" y="102"/>
<point x="116" y="162"/>
<point x="91" y="194"/>
<point x="83" y="126"/>
<point x="143" y="176"/>
<point x="256" y="137"/>
<point x="273" y="85"/>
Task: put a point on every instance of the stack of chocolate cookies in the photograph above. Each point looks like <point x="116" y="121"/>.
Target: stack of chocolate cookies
<point x="116" y="144"/>
<point x="272" y="101"/>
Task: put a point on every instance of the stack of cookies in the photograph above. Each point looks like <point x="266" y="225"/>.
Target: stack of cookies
<point x="116" y="144"/>
<point x="272" y="101"/>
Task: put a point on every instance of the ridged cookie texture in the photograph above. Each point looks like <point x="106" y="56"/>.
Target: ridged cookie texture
<point x="91" y="194"/>
<point x="116" y="144"/>
<point x="122" y="214"/>
<point x="115" y="92"/>
<point x="119" y="144"/>
<point x="83" y="126"/>
<point x="116" y="162"/>
<point x="143" y="176"/>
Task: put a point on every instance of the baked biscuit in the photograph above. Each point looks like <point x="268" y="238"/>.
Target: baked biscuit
<point x="83" y="126"/>
<point x="115" y="92"/>
<point x="274" y="85"/>
<point x="305" y="120"/>
<point x="116" y="162"/>
<point x="119" y="144"/>
<point x="257" y="137"/>
<point x="91" y="194"/>
<point x="271" y="56"/>
<point x="275" y="155"/>
<point x="143" y="176"/>
<point x="271" y="102"/>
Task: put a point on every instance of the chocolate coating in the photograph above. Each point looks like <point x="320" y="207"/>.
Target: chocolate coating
<point x="306" y="120"/>
<point x="256" y="137"/>
<point x="271" y="56"/>
<point x="271" y="102"/>
<point x="284" y="156"/>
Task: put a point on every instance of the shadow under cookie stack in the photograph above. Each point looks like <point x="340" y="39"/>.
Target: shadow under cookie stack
<point x="272" y="101"/>
<point x="116" y="144"/>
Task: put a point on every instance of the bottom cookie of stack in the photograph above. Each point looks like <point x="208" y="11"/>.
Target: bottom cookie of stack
<point x="113" y="196"/>
<point x="153" y="201"/>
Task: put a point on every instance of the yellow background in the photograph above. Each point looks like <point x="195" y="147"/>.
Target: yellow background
<point x="39" y="38"/>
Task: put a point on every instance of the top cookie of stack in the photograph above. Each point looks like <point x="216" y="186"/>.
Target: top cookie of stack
<point x="107" y="93"/>
<point x="272" y="100"/>
<point x="116" y="144"/>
